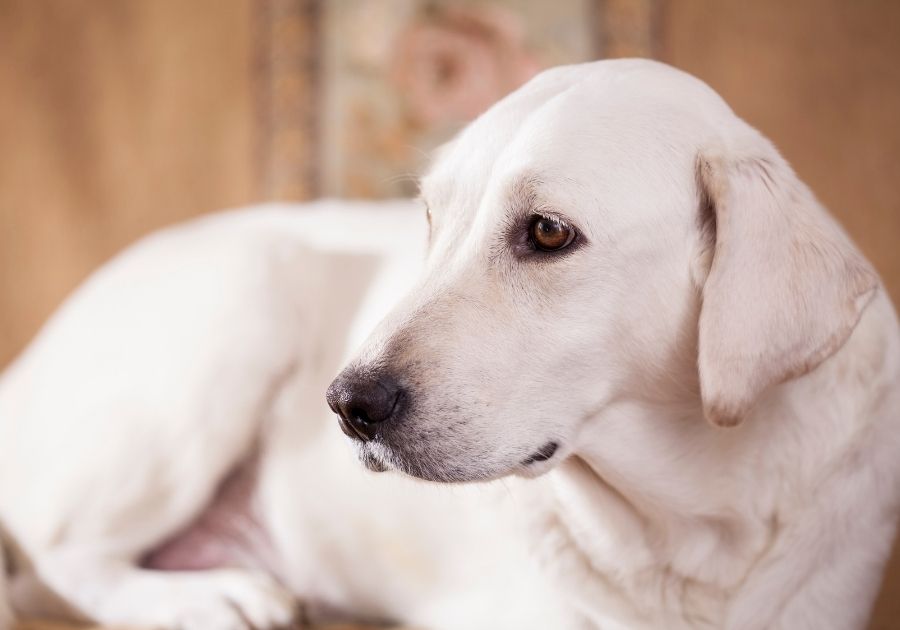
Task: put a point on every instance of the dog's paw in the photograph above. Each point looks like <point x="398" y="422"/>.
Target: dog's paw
<point x="226" y="600"/>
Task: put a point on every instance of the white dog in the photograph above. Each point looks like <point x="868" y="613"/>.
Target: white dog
<point x="626" y="286"/>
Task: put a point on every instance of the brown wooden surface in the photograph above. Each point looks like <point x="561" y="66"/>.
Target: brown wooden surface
<point x="116" y="118"/>
<point x="53" y="625"/>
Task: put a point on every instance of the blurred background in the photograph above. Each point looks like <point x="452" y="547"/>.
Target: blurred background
<point x="120" y="116"/>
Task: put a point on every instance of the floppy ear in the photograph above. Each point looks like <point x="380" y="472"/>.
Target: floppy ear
<point x="785" y="287"/>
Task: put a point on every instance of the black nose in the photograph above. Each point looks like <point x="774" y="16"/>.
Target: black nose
<point x="363" y="402"/>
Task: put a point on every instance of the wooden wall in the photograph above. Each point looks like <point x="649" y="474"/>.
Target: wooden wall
<point x="116" y="117"/>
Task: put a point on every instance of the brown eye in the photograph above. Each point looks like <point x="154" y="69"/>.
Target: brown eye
<point x="549" y="235"/>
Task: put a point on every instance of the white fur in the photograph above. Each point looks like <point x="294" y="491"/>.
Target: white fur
<point x="208" y="342"/>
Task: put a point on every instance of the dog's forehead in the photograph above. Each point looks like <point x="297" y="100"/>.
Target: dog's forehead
<point x="575" y="121"/>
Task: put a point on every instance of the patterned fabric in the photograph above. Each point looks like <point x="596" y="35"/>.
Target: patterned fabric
<point x="401" y="78"/>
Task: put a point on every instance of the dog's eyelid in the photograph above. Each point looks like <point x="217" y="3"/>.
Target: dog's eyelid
<point x="552" y="215"/>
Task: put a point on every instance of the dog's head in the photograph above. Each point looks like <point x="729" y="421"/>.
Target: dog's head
<point x="610" y="230"/>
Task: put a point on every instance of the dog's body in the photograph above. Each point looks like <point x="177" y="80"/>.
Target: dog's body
<point x="170" y="415"/>
<point x="239" y="321"/>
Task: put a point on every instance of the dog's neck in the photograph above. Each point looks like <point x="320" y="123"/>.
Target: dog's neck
<point x="656" y="498"/>
<point x="639" y="512"/>
<point x="650" y="466"/>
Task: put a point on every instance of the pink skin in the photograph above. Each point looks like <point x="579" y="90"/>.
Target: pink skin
<point x="226" y="534"/>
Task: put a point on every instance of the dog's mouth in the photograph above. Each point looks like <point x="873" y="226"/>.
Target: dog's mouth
<point x="543" y="454"/>
<point x="378" y="457"/>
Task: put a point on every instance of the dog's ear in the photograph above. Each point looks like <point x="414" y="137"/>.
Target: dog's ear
<point x="785" y="287"/>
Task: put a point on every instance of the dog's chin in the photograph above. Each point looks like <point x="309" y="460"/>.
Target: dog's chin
<point x="370" y="460"/>
<point x="379" y="457"/>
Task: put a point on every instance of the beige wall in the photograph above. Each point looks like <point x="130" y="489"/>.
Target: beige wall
<point x="822" y="79"/>
<point x="115" y="117"/>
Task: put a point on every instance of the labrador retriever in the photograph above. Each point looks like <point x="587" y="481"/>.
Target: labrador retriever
<point x="631" y="312"/>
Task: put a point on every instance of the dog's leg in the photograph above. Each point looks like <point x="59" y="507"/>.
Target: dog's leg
<point x="78" y="579"/>
<point x="115" y="592"/>
<point x="87" y="556"/>
<point x="98" y="576"/>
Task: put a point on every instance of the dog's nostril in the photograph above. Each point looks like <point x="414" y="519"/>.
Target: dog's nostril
<point x="359" y="415"/>
<point x="363" y="402"/>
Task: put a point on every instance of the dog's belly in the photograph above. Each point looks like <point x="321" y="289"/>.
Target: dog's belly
<point x="227" y="533"/>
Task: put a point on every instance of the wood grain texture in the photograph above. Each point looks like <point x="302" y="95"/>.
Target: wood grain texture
<point x="116" y="118"/>
<point x="55" y="625"/>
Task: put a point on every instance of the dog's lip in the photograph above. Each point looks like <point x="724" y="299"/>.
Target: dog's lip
<point x="544" y="453"/>
<point x="349" y="430"/>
